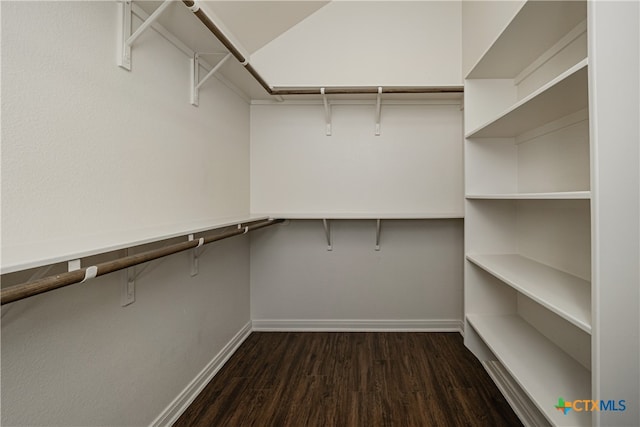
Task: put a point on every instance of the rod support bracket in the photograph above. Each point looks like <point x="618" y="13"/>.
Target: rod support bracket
<point x="194" y="255"/>
<point x="327" y="232"/>
<point x="378" y="110"/>
<point x="125" y="37"/>
<point x="196" y="83"/>
<point x="378" y="227"/>
<point x="327" y="111"/>
<point x="128" y="289"/>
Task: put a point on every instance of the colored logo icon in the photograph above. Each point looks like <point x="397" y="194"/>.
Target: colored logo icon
<point x="563" y="406"/>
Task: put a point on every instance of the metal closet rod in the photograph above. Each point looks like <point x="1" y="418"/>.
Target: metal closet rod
<point x="46" y="284"/>
<point x="347" y="91"/>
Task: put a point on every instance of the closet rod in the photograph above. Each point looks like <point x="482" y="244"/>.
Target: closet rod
<point x="316" y="91"/>
<point x="369" y="90"/>
<point x="215" y="30"/>
<point x="26" y="290"/>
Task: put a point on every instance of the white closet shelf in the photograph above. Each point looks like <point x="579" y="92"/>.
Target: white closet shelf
<point x="23" y="257"/>
<point x="562" y="96"/>
<point x="564" y="294"/>
<point x="541" y="368"/>
<point x="535" y="28"/>
<point x="366" y="215"/>
<point x="558" y="195"/>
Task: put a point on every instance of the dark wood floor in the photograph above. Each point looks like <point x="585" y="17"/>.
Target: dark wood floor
<point x="350" y="379"/>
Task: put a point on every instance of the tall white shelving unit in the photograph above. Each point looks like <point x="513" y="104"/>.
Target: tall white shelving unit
<point x="551" y="210"/>
<point x="528" y="215"/>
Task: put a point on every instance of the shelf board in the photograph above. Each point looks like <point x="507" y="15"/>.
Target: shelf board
<point x="562" y="96"/>
<point x="558" y="195"/>
<point x="365" y="215"/>
<point x="23" y="257"/>
<point x="564" y="294"/>
<point x="541" y="368"/>
<point x="535" y="28"/>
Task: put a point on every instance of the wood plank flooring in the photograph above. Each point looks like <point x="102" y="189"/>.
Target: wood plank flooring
<point x="350" y="379"/>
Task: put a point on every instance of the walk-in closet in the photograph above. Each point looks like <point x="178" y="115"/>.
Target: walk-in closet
<point x="302" y="213"/>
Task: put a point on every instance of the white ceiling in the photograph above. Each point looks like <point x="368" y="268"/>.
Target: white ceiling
<point x="256" y="23"/>
<point x="251" y="25"/>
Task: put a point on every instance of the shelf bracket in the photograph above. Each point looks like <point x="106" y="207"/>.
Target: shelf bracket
<point x="126" y="38"/>
<point x="194" y="256"/>
<point x="196" y="83"/>
<point x="378" y="227"/>
<point x="327" y="111"/>
<point x="327" y="232"/>
<point x="378" y="110"/>
<point x="128" y="289"/>
<point x="74" y="264"/>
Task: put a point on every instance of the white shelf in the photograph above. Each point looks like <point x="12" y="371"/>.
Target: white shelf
<point x="559" y="195"/>
<point x="562" y="96"/>
<point x="566" y="295"/>
<point x="365" y="215"/>
<point x="543" y="371"/>
<point x="537" y="26"/>
<point x="17" y="258"/>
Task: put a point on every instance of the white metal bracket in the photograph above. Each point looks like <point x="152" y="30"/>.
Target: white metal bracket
<point x="89" y="272"/>
<point x="196" y="83"/>
<point x="125" y="37"/>
<point x="74" y="264"/>
<point x="128" y="289"/>
<point x="194" y="255"/>
<point x="378" y="110"/>
<point x="327" y="111"/>
<point x="378" y="227"/>
<point x="327" y="232"/>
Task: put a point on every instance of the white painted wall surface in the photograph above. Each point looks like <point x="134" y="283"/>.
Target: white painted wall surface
<point x="414" y="166"/>
<point x="88" y="147"/>
<point x="75" y="357"/>
<point x="414" y="281"/>
<point x="482" y="22"/>
<point x="368" y="43"/>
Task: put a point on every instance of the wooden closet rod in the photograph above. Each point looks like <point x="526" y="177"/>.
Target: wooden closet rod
<point x="369" y="90"/>
<point x="316" y="91"/>
<point x="46" y="284"/>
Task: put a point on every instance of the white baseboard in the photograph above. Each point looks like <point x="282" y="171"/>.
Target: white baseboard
<point x="518" y="400"/>
<point x="321" y="325"/>
<point x="172" y="412"/>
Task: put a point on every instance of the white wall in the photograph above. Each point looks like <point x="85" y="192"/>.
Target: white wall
<point x="98" y="148"/>
<point x="414" y="281"/>
<point x="87" y="148"/>
<point x="75" y="357"/>
<point x="414" y="166"/>
<point x="370" y="43"/>
<point x="482" y="22"/>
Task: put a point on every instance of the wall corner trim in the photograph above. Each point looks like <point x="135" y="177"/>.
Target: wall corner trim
<point x="173" y="411"/>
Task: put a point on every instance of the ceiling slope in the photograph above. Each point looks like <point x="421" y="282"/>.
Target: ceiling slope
<point x="368" y="43"/>
<point x="340" y="44"/>
<point x="256" y="23"/>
